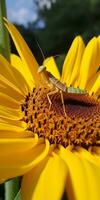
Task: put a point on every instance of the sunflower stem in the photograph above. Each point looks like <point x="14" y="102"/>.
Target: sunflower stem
<point x="11" y="188"/>
<point x="4" y="37"/>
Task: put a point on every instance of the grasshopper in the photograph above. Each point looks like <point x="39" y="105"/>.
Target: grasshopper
<point x="59" y="87"/>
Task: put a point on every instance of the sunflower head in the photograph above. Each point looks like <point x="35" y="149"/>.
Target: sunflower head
<point x="50" y="133"/>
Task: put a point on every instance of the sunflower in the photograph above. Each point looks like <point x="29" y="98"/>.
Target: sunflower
<point x="53" y="152"/>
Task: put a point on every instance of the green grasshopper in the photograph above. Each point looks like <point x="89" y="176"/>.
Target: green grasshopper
<point x="59" y="87"/>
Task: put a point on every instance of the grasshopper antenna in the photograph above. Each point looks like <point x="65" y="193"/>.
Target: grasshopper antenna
<point x="40" y="50"/>
<point x="58" y="55"/>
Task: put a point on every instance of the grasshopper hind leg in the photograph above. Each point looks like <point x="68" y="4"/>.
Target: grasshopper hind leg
<point x="62" y="100"/>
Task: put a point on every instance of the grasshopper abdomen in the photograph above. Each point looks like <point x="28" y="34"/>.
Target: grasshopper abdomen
<point x="76" y="90"/>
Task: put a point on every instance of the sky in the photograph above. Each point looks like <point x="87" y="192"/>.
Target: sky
<point x="21" y="11"/>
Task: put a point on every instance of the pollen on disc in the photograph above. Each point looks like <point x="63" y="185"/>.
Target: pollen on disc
<point x="80" y="126"/>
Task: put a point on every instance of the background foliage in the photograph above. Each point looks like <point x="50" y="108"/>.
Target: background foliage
<point x="61" y="21"/>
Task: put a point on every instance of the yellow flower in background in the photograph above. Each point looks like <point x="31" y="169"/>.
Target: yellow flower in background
<point x="53" y="152"/>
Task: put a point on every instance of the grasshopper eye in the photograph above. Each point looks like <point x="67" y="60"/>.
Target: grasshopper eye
<point x="41" y="68"/>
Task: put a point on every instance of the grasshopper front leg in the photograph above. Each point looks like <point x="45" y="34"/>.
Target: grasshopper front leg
<point x="48" y="97"/>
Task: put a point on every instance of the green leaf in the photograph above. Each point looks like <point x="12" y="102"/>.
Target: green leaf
<point x="11" y="188"/>
<point x="4" y="37"/>
<point x="18" y="196"/>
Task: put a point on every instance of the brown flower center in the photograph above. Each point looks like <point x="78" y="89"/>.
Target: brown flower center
<point x="80" y="125"/>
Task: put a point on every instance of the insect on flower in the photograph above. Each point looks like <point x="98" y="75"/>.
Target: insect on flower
<point x="59" y="86"/>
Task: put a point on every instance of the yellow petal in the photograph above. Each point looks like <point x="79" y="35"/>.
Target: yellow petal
<point x="91" y="82"/>
<point x="5" y="70"/>
<point x="92" y="158"/>
<point x="90" y="63"/>
<point x="76" y="67"/>
<point x="8" y="124"/>
<point x="10" y="127"/>
<point x="13" y="75"/>
<point x="8" y="101"/>
<point x="19" y="65"/>
<point x="96" y="149"/>
<point x="52" y="67"/>
<point x="16" y="155"/>
<point x="14" y="162"/>
<point x="29" y="61"/>
<point x="17" y="144"/>
<point x="14" y="134"/>
<point x="14" y="114"/>
<point x="47" y="180"/>
<point x="83" y="178"/>
<point x="21" y="82"/>
<point x="10" y="91"/>
<point x="4" y="82"/>
<point x="96" y="87"/>
<point x="98" y="38"/>
<point x="72" y="60"/>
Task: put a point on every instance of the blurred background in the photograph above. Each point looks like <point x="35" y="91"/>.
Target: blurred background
<point x="53" y="24"/>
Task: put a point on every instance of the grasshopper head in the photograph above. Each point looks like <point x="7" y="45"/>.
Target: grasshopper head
<point x="41" y="69"/>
